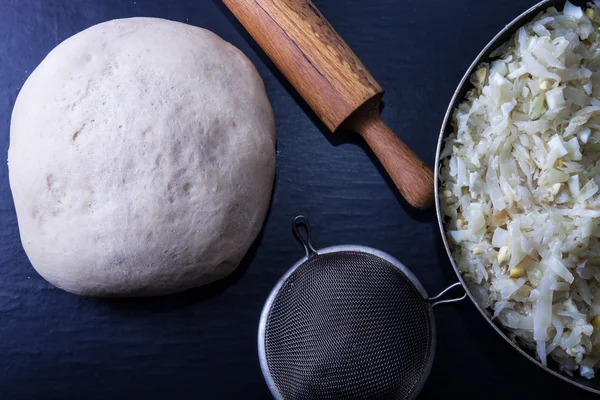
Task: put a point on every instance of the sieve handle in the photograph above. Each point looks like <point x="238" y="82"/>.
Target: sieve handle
<point x="435" y="301"/>
<point x="306" y="242"/>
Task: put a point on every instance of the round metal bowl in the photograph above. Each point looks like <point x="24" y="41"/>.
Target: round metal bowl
<point x="503" y="36"/>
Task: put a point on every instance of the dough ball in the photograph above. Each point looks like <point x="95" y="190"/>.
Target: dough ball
<point x="141" y="160"/>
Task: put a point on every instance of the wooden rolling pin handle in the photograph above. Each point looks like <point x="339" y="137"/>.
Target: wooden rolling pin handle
<point x="334" y="82"/>
<point x="412" y="177"/>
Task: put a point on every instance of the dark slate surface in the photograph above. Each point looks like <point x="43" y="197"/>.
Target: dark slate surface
<point x="202" y="343"/>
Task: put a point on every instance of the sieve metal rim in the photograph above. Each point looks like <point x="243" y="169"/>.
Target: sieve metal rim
<point x="310" y="252"/>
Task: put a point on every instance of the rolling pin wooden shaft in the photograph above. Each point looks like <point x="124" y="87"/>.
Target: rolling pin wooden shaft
<point x="334" y="82"/>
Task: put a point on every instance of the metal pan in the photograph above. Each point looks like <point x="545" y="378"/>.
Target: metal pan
<point x="503" y="36"/>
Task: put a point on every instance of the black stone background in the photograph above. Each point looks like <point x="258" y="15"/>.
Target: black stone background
<point x="202" y="343"/>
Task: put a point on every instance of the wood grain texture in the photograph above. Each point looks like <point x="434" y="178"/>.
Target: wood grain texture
<point x="311" y="55"/>
<point x="334" y="82"/>
<point x="201" y="344"/>
<point x="412" y="177"/>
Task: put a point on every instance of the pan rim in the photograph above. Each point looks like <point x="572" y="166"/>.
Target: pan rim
<point x="500" y="38"/>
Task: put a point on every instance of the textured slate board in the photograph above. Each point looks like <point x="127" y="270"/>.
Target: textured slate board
<point x="202" y="343"/>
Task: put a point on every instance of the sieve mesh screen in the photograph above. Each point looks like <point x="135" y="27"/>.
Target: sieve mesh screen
<point x="348" y="325"/>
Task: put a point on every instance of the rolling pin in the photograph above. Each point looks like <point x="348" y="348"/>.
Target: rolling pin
<point x="334" y="83"/>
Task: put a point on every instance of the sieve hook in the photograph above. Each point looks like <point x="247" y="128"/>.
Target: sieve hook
<point x="301" y="220"/>
<point x="434" y="303"/>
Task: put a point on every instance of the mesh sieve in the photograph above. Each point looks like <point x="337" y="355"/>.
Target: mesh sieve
<point x="346" y="322"/>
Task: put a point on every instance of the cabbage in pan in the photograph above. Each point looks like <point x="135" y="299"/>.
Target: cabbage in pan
<point x="520" y="176"/>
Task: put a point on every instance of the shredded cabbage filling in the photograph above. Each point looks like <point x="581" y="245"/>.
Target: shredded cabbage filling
<point x="519" y="187"/>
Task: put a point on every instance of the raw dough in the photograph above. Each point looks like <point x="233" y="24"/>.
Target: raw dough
<point x="142" y="159"/>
